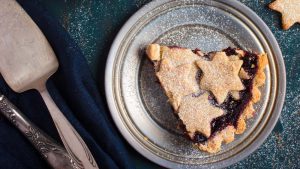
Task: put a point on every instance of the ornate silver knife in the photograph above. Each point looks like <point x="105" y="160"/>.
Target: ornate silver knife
<point x="53" y="153"/>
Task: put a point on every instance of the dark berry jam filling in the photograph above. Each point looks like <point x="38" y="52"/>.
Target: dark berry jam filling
<point x="198" y="75"/>
<point x="199" y="138"/>
<point x="196" y="50"/>
<point x="230" y="51"/>
<point x="250" y="63"/>
<point x="234" y="108"/>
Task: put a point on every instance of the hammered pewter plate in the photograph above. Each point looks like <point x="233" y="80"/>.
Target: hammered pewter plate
<point x="138" y="104"/>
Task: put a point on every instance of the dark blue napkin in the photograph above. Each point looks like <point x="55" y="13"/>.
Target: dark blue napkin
<point x="75" y="93"/>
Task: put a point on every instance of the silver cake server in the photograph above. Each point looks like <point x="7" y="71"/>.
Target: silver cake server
<point x="56" y="156"/>
<point x="26" y="62"/>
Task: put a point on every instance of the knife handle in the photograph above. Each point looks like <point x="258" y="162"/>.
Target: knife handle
<point x="54" y="154"/>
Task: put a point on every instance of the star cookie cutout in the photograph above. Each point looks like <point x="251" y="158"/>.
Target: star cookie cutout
<point x="197" y="114"/>
<point x="176" y="81"/>
<point x="220" y="75"/>
<point x="290" y="10"/>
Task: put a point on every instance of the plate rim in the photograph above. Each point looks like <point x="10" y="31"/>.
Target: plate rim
<point x="280" y="67"/>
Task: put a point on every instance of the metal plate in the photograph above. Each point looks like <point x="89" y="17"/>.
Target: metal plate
<point x="138" y="104"/>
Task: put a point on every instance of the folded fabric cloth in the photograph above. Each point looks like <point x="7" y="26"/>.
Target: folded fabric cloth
<point x="75" y="92"/>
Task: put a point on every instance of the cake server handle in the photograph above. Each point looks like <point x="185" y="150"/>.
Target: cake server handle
<point x="56" y="156"/>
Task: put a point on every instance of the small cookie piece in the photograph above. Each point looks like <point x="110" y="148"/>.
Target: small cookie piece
<point x="290" y="10"/>
<point x="235" y="95"/>
<point x="243" y="74"/>
<point x="153" y="52"/>
<point x="220" y="75"/>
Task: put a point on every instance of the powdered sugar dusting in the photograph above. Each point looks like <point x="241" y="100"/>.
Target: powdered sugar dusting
<point x="193" y="25"/>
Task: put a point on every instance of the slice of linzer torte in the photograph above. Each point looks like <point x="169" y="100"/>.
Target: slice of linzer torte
<point x="211" y="93"/>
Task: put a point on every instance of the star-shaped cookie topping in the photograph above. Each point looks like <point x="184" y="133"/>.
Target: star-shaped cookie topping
<point x="176" y="81"/>
<point x="197" y="113"/>
<point x="290" y="10"/>
<point x="220" y="75"/>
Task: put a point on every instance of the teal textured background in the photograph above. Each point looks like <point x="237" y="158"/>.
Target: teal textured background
<point x="94" y="24"/>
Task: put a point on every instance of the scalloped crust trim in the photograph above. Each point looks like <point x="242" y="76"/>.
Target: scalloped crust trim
<point x="214" y="144"/>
